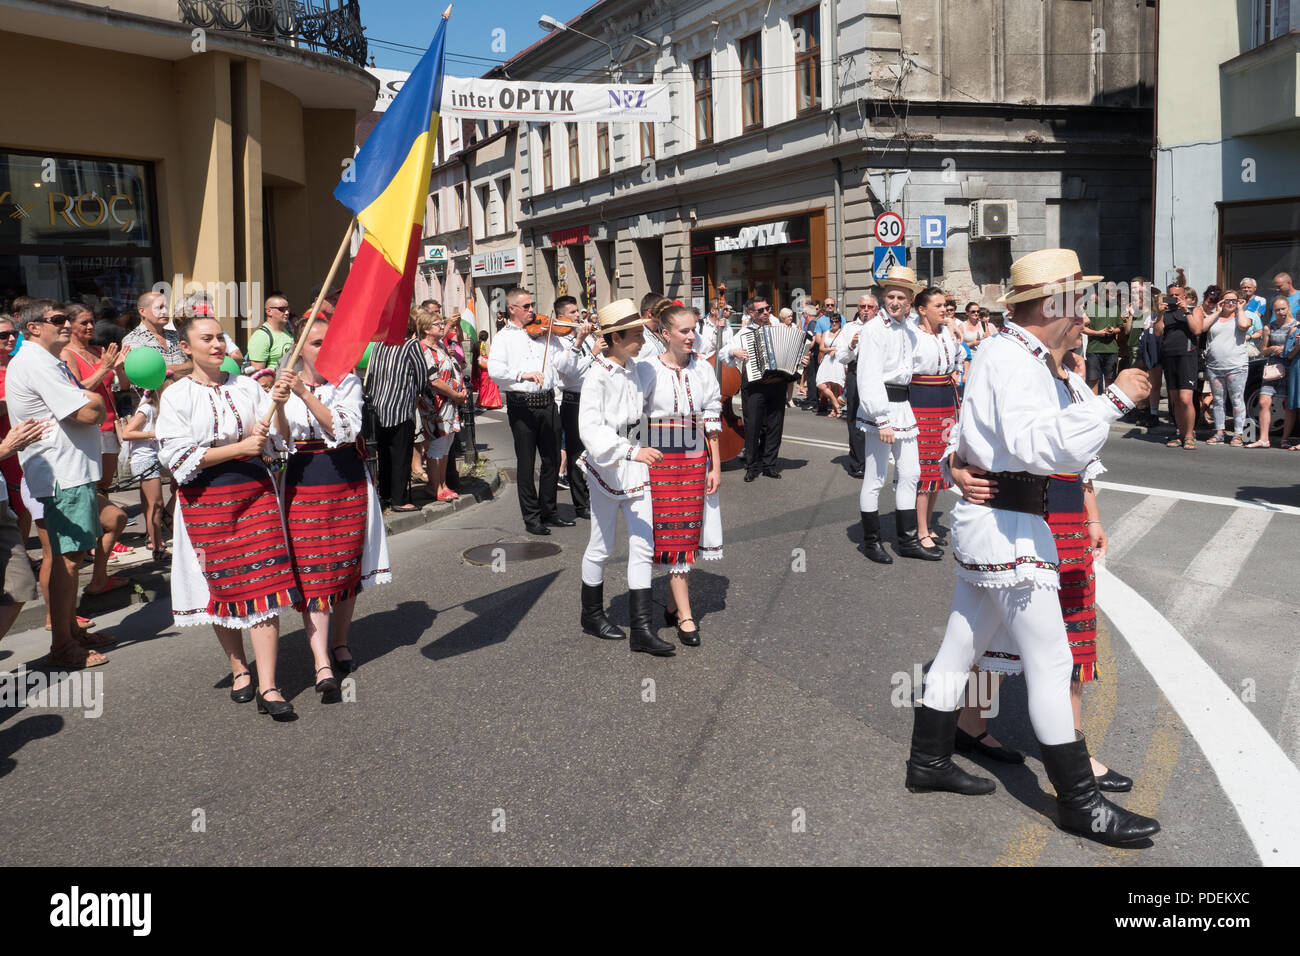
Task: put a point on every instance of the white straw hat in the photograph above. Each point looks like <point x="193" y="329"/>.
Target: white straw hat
<point x="901" y="277"/>
<point x="618" y="316"/>
<point x="1045" y="273"/>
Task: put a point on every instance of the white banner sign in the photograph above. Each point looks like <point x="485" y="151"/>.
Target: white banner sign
<point x="529" y="100"/>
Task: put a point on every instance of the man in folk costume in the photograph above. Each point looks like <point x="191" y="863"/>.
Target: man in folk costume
<point x="578" y="348"/>
<point x="651" y="304"/>
<point x="524" y="369"/>
<point x="1020" y="424"/>
<point x="610" y="416"/>
<point x="885" y="348"/>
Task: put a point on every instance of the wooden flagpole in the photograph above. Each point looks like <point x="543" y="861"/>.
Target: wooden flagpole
<point x="315" y="308"/>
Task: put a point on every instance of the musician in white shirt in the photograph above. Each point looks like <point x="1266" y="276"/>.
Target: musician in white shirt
<point x="611" y="415"/>
<point x="652" y="303"/>
<point x="523" y="367"/>
<point x="1019" y="423"/>
<point x="763" y="402"/>
<point x="846" y="353"/>
<point x="885" y="349"/>
<point x="578" y="347"/>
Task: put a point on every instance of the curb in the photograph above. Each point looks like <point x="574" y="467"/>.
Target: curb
<point x="151" y="585"/>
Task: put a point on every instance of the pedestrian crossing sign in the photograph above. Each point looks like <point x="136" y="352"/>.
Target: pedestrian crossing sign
<point x="886" y="258"/>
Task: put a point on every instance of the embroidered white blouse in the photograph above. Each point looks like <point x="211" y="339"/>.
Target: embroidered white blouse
<point x="935" y="353"/>
<point x="344" y="402"/>
<point x="885" y="350"/>
<point x="1017" y="416"/>
<point x="609" y="421"/>
<point x="684" y="406"/>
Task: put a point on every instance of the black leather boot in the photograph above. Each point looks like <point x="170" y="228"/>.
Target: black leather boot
<point x="642" y="637"/>
<point x="1081" y="807"/>
<point x="909" y="544"/>
<point x="594" y="619"/>
<point x="871" y="545"/>
<point x="930" y="767"/>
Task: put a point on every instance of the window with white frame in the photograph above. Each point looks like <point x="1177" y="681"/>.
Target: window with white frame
<point x="482" y="206"/>
<point x="507" y="210"/>
<point x="751" y="81"/>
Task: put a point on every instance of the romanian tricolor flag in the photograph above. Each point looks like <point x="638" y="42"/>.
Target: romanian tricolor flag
<point x="387" y="189"/>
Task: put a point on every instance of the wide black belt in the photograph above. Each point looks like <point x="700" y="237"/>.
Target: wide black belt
<point x="1019" y="491"/>
<point x="571" y="397"/>
<point x="531" y="399"/>
<point x="898" y="393"/>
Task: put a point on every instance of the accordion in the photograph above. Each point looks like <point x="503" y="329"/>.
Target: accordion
<point x="775" y="352"/>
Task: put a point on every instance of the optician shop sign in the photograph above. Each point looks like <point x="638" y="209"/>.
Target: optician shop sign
<point x="477" y="98"/>
<point x="757" y="235"/>
<point x="495" y="263"/>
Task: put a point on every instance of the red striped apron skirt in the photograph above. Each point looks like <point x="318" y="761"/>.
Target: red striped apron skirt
<point x="232" y="517"/>
<point x="677" y="498"/>
<point x="934" y="404"/>
<point x="327" y="501"/>
<point x="1078" y="593"/>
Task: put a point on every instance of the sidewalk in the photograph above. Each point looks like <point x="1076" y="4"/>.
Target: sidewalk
<point x="150" y="580"/>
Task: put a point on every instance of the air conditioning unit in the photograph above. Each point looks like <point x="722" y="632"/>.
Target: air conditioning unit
<point x="994" y="219"/>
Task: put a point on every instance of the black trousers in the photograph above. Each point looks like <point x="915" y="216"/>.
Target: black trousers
<point x="857" y="439"/>
<point x="395" y="446"/>
<point x="574" y="448"/>
<point x="536" y="430"/>
<point x="764" y="407"/>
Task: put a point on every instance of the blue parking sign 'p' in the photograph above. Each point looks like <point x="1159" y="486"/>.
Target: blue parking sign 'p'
<point x="934" y="232"/>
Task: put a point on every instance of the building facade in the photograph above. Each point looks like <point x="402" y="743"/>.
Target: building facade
<point x="796" y="124"/>
<point x="154" y="139"/>
<point x="1227" y="142"/>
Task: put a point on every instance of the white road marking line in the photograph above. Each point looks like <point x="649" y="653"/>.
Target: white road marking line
<point x="1203" y="499"/>
<point x="838" y="446"/>
<point x="1134" y="524"/>
<point x="1288" y="729"/>
<point x="1253" y="770"/>
<point x="1216" y="567"/>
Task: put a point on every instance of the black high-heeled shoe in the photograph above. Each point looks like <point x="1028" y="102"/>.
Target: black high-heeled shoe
<point x="344" y="667"/>
<point x="245" y="693"/>
<point x="689" y="638"/>
<point x="276" y="708"/>
<point x="326" y="685"/>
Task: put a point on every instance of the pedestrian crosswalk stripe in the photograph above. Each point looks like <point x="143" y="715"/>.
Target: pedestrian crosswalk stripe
<point x="1215" y="568"/>
<point x="1253" y="771"/>
<point x="1202" y="499"/>
<point x="1133" y="525"/>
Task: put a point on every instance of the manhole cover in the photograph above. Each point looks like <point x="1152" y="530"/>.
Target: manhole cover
<point x="486" y="554"/>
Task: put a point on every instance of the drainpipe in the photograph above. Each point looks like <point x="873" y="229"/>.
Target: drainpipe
<point x="836" y="165"/>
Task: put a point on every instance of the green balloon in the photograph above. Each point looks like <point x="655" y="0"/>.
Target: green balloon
<point x="231" y="366"/>
<point x="145" y="367"/>
<point x="365" y="356"/>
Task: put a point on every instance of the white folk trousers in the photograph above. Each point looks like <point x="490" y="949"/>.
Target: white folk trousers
<point x="639" y="519"/>
<point x="907" y="472"/>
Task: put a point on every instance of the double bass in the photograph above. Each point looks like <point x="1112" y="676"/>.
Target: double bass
<point x="732" y="440"/>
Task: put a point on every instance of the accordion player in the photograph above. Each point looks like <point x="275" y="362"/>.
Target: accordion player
<point x="775" y="352"/>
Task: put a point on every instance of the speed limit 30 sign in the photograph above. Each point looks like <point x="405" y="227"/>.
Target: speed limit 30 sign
<point x="889" y="229"/>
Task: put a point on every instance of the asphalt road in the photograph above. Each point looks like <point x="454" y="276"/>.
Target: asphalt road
<point x="487" y="729"/>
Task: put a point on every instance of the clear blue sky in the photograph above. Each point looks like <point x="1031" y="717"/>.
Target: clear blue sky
<point x="470" y="33"/>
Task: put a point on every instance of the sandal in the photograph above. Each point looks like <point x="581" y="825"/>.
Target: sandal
<point x="1174" y="442"/>
<point x="448" y="496"/>
<point x="404" y="509"/>
<point x="1189" y="443"/>
<point x="1236" y="441"/>
<point x="82" y="622"/>
<point x="77" y="658"/>
<point x="1258" y="444"/>
<point x="420" y="476"/>
<point x="1218" y="439"/>
<point x="114" y="583"/>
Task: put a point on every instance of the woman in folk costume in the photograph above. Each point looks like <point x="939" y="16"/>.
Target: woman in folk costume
<point x="610" y="415"/>
<point x="230" y="560"/>
<point x="1075" y="520"/>
<point x="1019" y="423"/>
<point x="936" y="355"/>
<point x="336" y="527"/>
<point x="684" y="407"/>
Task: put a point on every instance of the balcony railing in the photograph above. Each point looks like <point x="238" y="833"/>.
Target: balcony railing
<point x="327" y="26"/>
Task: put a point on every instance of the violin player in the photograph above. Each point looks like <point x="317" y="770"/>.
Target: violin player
<point x="579" y="348"/>
<point x="523" y="367"/>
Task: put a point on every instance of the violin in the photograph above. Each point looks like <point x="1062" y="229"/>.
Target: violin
<point x="546" y="325"/>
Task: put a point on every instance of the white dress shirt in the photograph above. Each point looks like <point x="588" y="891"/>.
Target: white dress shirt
<point x="1017" y="416"/>
<point x="707" y="340"/>
<point x="652" y="347"/>
<point x="515" y="352"/>
<point x="885" y="349"/>
<point x="609" y="422"/>
<point x="936" y="353"/>
<point x="40" y="386"/>
<point x="572" y="362"/>
<point x="848" y="345"/>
